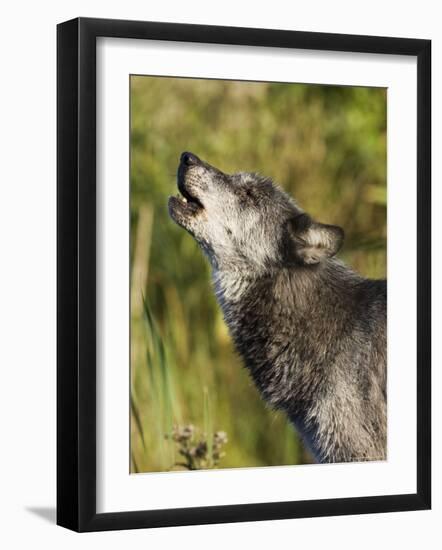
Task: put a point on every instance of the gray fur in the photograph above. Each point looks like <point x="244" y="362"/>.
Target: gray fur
<point x="310" y="330"/>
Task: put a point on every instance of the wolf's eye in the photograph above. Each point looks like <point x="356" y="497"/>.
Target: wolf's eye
<point x="247" y="197"/>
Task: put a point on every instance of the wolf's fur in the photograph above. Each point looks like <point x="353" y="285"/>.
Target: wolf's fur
<point x="311" y="331"/>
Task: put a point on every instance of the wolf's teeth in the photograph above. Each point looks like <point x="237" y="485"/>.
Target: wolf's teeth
<point x="184" y="199"/>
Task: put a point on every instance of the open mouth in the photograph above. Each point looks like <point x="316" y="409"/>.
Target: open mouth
<point x="187" y="198"/>
<point x="185" y="205"/>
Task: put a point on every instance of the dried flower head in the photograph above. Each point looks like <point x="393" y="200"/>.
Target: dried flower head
<point x="193" y="446"/>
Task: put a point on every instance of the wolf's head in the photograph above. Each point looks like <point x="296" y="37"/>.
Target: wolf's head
<point x="245" y="220"/>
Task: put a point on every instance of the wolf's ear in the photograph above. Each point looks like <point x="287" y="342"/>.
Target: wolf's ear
<point x="311" y="242"/>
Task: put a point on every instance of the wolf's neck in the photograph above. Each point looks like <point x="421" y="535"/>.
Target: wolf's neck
<point x="267" y="316"/>
<point x="280" y="318"/>
<point x="231" y="285"/>
<point x="292" y="289"/>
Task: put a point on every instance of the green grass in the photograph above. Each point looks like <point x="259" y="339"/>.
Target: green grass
<point x="165" y="417"/>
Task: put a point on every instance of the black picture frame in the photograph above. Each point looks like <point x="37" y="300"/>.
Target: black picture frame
<point x="76" y="273"/>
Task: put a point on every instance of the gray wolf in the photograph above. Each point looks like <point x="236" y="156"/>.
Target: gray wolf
<point x="311" y="331"/>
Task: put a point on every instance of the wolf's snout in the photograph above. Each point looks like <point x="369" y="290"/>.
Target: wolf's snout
<point x="188" y="159"/>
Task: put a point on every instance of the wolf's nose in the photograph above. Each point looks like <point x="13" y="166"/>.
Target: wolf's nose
<point x="189" y="158"/>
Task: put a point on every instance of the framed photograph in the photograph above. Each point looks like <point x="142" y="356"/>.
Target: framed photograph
<point x="231" y="205"/>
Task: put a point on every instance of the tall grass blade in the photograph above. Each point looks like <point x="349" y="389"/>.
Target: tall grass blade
<point x="134" y="463"/>
<point x="161" y="384"/>
<point x="208" y="424"/>
<point x="137" y="418"/>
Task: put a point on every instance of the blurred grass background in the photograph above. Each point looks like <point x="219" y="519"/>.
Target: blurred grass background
<point x="326" y="145"/>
